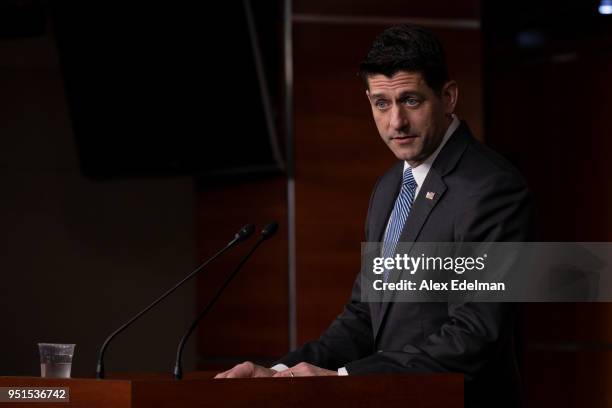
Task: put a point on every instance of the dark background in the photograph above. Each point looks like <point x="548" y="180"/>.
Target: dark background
<point x="135" y="142"/>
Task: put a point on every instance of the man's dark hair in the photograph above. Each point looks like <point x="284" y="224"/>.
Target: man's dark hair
<point x="409" y="48"/>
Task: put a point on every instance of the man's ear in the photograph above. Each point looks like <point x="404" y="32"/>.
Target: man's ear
<point x="368" y="94"/>
<point x="450" y="94"/>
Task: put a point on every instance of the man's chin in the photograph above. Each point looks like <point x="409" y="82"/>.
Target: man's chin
<point x="406" y="156"/>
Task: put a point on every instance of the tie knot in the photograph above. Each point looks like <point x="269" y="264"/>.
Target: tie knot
<point x="409" y="178"/>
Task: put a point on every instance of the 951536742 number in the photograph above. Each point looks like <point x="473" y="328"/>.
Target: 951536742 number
<point x="14" y="394"/>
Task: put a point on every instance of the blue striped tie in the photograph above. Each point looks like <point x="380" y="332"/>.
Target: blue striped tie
<point x="401" y="209"/>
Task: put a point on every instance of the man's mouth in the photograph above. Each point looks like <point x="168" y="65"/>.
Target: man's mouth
<point x="403" y="139"/>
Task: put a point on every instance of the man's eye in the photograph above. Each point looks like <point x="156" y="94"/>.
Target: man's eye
<point x="381" y="104"/>
<point x="411" y="101"/>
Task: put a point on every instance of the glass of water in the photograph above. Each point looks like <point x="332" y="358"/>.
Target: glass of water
<point x="55" y="359"/>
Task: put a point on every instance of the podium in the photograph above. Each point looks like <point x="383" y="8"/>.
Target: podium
<point x="200" y="390"/>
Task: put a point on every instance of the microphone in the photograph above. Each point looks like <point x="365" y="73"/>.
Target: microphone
<point x="268" y="231"/>
<point x="244" y="233"/>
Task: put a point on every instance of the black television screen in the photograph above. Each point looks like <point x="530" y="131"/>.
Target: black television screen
<point x="168" y="88"/>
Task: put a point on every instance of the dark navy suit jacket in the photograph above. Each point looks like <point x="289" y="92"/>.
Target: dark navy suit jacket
<point x="478" y="197"/>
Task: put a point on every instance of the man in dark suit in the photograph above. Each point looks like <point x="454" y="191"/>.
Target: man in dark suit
<point x="447" y="187"/>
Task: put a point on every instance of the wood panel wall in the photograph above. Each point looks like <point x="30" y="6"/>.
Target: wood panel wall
<point x="250" y="320"/>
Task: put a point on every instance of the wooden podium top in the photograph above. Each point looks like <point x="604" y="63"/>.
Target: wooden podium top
<point x="200" y="390"/>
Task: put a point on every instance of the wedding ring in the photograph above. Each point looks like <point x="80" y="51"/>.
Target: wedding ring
<point x="291" y="372"/>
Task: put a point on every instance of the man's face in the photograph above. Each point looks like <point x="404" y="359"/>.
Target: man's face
<point x="411" y="118"/>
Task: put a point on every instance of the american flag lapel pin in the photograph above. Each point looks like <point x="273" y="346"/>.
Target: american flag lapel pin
<point x="430" y="195"/>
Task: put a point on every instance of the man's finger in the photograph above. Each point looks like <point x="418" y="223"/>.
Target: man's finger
<point x="298" y="370"/>
<point x="232" y="372"/>
<point x="284" y="373"/>
<point x="306" y="371"/>
<point x="235" y="372"/>
<point x="222" y="374"/>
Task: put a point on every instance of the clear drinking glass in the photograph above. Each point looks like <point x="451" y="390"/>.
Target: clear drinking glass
<point x="55" y="359"/>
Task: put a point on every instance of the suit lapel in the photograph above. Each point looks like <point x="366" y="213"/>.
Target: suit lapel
<point x="434" y="188"/>
<point x="419" y="212"/>
<point x="388" y="195"/>
<point x="430" y="194"/>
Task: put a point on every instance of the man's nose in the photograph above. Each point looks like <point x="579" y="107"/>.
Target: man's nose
<point x="399" y="119"/>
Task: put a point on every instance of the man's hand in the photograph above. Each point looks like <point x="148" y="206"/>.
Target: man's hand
<point x="305" y="370"/>
<point x="246" y="370"/>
